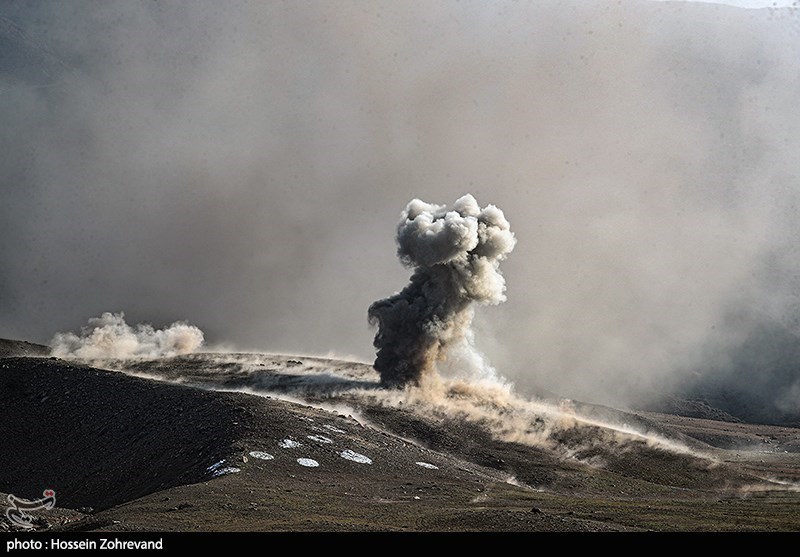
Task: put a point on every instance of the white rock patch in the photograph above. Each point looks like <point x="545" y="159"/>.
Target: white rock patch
<point x="355" y="457"/>
<point x="215" y="465"/>
<point x="261" y="455"/>
<point x="427" y="465"/>
<point x="226" y="470"/>
<point x="320" y="438"/>
<point x="218" y="470"/>
<point x="308" y="462"/>
<point x="334" y="429"/>
<point x="289" y="444"/>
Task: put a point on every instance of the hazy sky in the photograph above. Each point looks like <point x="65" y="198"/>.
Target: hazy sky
<point x="243" y="165"/>
<point x="751" y="4"/>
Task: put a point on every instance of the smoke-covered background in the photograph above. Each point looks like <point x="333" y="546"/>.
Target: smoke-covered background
<point x="242" y="166"/>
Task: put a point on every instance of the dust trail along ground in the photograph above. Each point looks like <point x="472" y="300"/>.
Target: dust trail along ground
<point x="486" y="400"/>
<point x="567" y="430"/>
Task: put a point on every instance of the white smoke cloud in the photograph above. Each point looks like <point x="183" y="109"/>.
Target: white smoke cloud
<point x="455" y="254"/>
<point x="109" y="336"/>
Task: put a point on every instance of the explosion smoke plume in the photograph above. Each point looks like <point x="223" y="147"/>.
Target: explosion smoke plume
<point x="455" y="254"/>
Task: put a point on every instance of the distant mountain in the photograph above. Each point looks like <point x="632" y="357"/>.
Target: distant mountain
<point x="16" y="348"/>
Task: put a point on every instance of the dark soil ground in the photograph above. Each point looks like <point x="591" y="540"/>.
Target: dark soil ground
<point x="128" y="453"/>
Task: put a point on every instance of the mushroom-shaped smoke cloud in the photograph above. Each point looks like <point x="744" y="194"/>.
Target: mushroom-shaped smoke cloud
<point x="455" y="254"/>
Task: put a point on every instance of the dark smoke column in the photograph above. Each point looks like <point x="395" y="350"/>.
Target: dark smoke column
<point x="455" y="254"/>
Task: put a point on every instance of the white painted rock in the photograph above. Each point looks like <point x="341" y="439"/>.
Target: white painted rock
<point x="428" y="465"/>
<point x="355" y="457"/>
<point x="320" y="438"/>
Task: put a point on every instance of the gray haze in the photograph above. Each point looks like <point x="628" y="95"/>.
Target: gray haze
<point x="242" y="166"/>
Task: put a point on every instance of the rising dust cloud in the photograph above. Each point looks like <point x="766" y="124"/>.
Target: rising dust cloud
<point x="109" y="336"/>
